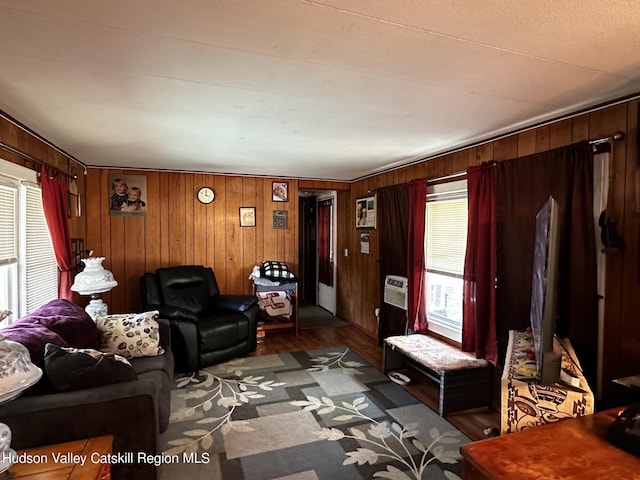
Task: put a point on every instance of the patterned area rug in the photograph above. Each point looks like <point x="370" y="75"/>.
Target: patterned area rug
<point x="322" y="414"/>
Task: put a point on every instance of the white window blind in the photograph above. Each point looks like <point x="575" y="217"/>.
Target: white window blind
<point x="8" y="249"/>
<point x="28" y="270"/>
<point x="445" y="249"/>
<point x="446" y="235"/>
<point x="8" y="222"/>
<point x="40" y="280"/>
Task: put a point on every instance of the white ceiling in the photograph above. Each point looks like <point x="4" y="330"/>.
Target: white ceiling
<point x="327" y="89"/>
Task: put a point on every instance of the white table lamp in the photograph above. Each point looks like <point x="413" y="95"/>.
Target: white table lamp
<point x="93" y="281"/>
<point x="17" y="373"/>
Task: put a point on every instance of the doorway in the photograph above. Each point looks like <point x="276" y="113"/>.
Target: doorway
<point x="317" y="247"/>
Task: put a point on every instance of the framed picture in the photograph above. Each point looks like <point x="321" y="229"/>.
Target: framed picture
<point x="280" y="191"/>
<point x="77" y="248"/>
<point x="280" y="219"/>
<point x="247" y="216"/>
<point x="128" y="195"/>
<point x="366" y="212"/>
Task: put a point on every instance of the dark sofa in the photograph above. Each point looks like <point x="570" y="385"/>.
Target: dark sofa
<point x="134" y="412"/>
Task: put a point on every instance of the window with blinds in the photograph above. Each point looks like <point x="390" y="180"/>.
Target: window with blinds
<point x="28" y="270"/>
<point x="8" y="249"/>
<point x="8" y="222"/>
<point x="39" y="280"/>
<point x="445" y="246"/>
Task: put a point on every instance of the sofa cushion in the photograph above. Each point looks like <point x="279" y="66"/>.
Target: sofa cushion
<point x="60" y="322"/>
<point x="163" y="363"/>
<point x="70" y="368"/>
<point x="130" y="334"/>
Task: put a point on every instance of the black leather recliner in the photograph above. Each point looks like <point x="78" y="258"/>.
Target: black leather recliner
<point x="206" y="327"/>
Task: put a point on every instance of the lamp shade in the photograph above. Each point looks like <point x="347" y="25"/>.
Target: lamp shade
<point x="16" y="370"/>
<point x="94" y="278"/>
<point x="17" y="373"/>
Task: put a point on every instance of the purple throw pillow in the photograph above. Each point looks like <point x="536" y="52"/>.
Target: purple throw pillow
<point x="60" y="322"/>
<point x="33" y="336"/>
<point x="68" y="320"/>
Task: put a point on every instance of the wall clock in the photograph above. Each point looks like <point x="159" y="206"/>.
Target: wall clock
<point x="206" y="195"/>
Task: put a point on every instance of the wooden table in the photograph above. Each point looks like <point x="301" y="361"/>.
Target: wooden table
<point x="63" y="461"/>
<point x="569" y="449"/>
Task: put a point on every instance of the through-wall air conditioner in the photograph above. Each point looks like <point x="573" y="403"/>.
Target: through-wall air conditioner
<point x="395" y="291"/>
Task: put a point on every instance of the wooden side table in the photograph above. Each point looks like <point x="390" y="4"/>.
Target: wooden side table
<point x="64" y="461"/>
<point x="575" y="449"/>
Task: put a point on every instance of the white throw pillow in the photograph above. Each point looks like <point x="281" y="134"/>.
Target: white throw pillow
<point x="130" y="334"/>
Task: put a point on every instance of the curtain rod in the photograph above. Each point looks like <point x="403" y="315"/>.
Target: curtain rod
<point x="615" y="137"/>
<point x="29" y="158"/>
<point x="43" y="140"/>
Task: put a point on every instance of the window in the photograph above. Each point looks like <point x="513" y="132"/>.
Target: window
<point x="445" y="246"/>
<point x="28" y="270"/>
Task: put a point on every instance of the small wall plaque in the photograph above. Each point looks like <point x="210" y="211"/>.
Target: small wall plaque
<point x="280" y="219"/>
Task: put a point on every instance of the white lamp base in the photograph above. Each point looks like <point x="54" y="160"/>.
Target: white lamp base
<point x="96" y="308"/>
<point x="7" y="455"/>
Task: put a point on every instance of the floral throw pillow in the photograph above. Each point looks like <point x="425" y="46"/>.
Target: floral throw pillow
<point x="130" y="334"/>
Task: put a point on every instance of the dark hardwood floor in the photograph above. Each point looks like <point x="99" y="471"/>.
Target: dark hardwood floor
<point x="470" y="422"/>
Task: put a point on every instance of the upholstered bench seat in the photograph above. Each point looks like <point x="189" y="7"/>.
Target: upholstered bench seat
<point x="465" y="381"/>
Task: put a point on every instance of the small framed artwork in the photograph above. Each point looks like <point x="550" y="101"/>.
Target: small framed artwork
<point x="366" y="212"/>
<point x="280" y="191"/>
<point x="247" y="216"/>
<point x="280" y="219"/>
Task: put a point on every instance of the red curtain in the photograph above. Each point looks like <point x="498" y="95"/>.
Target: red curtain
<point x="479" y="294"/>
<point x="55" y="202"/>
<point x="325" y="267"/>
<point x="417" y="307"/>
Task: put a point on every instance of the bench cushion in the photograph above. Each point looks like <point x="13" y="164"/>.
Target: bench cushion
<point x="433" y="353"/>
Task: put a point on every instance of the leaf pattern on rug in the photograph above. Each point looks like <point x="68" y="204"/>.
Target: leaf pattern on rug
<point x="215" y="391"/>
<point x="443" y="447"/>
<point x="323" y="364"/>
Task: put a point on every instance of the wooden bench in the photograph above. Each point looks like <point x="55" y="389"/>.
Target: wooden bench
<point x="465" y="381"/>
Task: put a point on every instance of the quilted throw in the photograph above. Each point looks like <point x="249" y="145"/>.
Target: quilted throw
<point x="275" y="304"/>
<point x="526" y="404"/>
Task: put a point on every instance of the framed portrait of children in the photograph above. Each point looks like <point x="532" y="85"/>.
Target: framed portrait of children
<point x="366" y="212"/>
<point x="128" y="194"/>
<point x="280" y="191"/>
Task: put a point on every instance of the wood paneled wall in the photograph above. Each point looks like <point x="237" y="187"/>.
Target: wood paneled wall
<point x="179" y="230"/>
<point x="23" y="141"/>
<point x="358" y="275"/>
